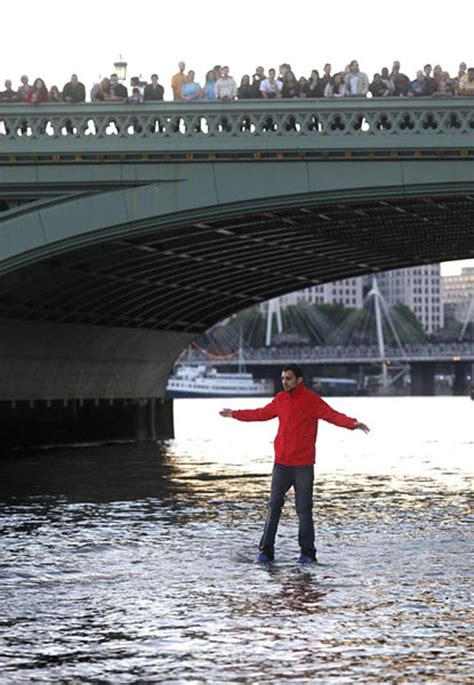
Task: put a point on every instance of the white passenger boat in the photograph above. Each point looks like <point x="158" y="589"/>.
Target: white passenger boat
<point x="202" y="381"/>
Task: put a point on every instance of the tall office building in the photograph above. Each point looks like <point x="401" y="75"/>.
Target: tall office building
<point x="419" y="288"/>
<point x="458" y="295"/>
<point x="349" y="292"/>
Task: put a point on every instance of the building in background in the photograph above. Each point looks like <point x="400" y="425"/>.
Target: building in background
<point x="458" y="295"/>
<point x="420" y="289"/>
<point x="349" y="292"/>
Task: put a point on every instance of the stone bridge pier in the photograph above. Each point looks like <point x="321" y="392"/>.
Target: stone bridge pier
<point x="64" y="384"/>
<point x="422" y="378"/>
<point x="462" y="372"/>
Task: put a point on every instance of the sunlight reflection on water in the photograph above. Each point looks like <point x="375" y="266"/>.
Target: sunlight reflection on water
<point x="134" y="564"/>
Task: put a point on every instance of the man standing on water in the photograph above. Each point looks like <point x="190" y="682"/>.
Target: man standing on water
<point x="298" y="410"/>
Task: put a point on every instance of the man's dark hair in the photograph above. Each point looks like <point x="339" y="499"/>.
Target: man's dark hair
<point x="294" y="368"/>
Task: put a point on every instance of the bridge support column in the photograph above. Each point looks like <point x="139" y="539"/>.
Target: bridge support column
<point x="460" y="378"/>
<point x="162" y="418"/>
<point x="422" y="378"/>
<point x="59" y="422"/>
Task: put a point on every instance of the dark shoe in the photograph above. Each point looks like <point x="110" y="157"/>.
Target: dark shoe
<point x="307" y="557"/>
<point x="265" y="557"/>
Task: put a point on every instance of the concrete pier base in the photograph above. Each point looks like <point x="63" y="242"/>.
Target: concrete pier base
<point x="460" y="383"/>
<point x="59" y="422"/>
<point x="422" y="379"/>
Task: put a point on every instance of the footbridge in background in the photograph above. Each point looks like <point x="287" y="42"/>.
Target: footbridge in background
<point x="126" y="230"/>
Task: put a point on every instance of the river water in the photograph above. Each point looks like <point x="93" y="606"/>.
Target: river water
<point x="135" y="563"/>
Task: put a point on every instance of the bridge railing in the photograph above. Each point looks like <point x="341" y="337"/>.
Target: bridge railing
<point x="346" y="353"/>
<point x="246" y="126"/>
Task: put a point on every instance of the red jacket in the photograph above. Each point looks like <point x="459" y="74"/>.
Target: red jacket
<point x="298" y="412"/>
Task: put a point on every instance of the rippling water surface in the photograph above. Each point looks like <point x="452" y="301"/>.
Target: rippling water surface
<point x="135" y="564"/>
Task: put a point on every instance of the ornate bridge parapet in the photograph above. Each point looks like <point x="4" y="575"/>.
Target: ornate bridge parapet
<point x="381" y="127"/>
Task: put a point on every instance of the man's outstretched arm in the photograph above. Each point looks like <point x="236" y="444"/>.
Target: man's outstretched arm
<point x="262" y="414"/>
<point x="327" y="413"/>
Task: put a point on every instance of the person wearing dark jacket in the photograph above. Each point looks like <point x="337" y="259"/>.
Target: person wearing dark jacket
<point x="298" y="410"/>
<point x="74" y="91"/>
<point x="154" y="91"/>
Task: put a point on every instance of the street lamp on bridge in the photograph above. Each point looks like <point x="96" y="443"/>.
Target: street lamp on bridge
<point x="120" y="68"/>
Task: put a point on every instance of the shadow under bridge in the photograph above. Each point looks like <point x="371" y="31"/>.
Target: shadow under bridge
<point x="105" y="281"/>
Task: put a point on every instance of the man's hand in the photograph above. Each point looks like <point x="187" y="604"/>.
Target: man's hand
<point x="362" y="427"/>
<point x="226" y="412"/>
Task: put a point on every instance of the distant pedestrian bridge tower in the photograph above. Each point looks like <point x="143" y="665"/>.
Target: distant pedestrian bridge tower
<point x="127" y="230"/>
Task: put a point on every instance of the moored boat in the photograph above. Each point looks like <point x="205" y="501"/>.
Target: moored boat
<point x="202" y="381"/>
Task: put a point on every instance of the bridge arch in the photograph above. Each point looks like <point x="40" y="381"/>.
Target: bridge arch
<point x="188" y="194"/>
<point x="120" y="264"/>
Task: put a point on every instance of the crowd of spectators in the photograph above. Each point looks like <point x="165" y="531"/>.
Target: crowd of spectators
<point x="220" y="85"/>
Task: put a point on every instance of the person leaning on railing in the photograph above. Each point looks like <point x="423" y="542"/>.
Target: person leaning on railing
<point x="420" y="86"/>
<point x="54" y="94"/>
<point x="462" y="70"/>
<point x="245" y="90"/>
<point x="357" y="82"/>
<point x="378" y="88"/>
<point x="466" y="83"/>
<point x="101" y="91"/>
<point x="290" y="87"/>
<point x="178" y="80"/>
<point x="74" y="91"/>
<point x="190" y="90"/>
<point x="209" y="90"/>
<point x="314" y="86"/>
<point x="271" y="87"/>
<point x="336" y="86"/>
<point x="38" y="93"/>
<point x="118" y="91"/>
<point x="24" y="89"/>
<point x="400" y="81"/>
<point x="226" y="87"/>
<point x="226" y="91"/>
<point x="9" y="95"/>
<point x="257" y="79"/>
<point x="154" y="91"/>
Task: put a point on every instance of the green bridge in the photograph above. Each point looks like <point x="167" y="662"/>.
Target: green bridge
<point x="126" y="230"/>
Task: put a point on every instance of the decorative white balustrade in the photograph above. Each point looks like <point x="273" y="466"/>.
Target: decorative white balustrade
<point x="298" y="125"/>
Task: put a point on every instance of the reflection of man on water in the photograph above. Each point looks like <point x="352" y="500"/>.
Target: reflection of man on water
<point x="298" y="410"/>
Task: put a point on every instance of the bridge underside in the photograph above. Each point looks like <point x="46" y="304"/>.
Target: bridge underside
<point x="108" y="319"/>
<point x="185" y="278"/>
<point x="117" y="248"/>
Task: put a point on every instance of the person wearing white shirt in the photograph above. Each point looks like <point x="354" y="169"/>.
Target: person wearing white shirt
<point x="270" y="87"/>
<point x="226" y="87"/>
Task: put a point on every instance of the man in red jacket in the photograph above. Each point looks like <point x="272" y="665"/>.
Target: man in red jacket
<point x="298" y="410"/>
